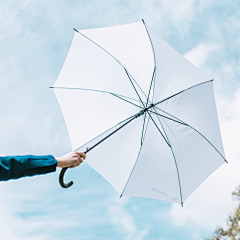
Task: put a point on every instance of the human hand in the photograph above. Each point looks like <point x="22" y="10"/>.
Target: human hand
<point x="72" y="159"/>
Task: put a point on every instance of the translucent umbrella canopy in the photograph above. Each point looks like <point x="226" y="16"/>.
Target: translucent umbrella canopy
<point x="173" y="143"/>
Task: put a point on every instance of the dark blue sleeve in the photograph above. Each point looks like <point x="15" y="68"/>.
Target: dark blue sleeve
<point x="12" y="167"/>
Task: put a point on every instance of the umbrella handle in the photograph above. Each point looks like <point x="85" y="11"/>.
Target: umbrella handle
<point x="64" y="185"/>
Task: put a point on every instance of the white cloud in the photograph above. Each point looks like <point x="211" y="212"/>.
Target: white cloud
<point x="6" y="232"/>
<point x="10" y="26"/>
<point x="198" y="55"/>
<point x="167" y="14"/>
<point x="124" y="221"/>
<point x="13" y="193"/>
<point x="181" y="13"/>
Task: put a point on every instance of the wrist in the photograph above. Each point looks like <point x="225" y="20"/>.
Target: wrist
<point x="58" y="162"/>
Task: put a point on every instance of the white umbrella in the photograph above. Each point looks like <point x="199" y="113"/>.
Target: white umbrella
<point x="152" y="111"/>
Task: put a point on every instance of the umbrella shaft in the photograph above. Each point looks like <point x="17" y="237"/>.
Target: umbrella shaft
<point x="134" y="117"/>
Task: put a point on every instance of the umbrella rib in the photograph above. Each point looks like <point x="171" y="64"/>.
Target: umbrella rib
<point x="110" y="55"/>
<point x="127" y="101"/>
<point x="141" y="102"/>
<point x="153" y="77"/>
<point x="168" y="118"/>
<point x="182" y="92"/>
<point x="154" y="57"/>
<point x="154" y="83"/>
<point x="159" y="130"/>
<point x="143" y="128"/>
<point x="179" y="182"/>
<point x="94" y="90"/>
<point x="134" y="163"/>
<point x="195" y="131"/>
<point x="134" y="86"/>
<point x="150" y="42"/>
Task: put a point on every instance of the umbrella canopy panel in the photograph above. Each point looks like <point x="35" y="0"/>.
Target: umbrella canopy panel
<point x="174" y="73"/>
<point x="89" y="113"/>
<point x="116" y="155"/>
<point x="130" y="46"/>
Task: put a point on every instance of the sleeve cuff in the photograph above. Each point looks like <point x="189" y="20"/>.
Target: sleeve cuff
<point x="41" y="161"/>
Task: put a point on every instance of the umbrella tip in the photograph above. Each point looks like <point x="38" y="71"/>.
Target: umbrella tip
<point x="143" y="20"/>
<point x="120" y="196"/>
<point x="75" y="29"/>
<point x="182" y="204"/>
<point x="51" y="87"/>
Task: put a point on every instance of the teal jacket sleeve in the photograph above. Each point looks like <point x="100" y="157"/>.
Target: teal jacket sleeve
<point x="13" y="167"/>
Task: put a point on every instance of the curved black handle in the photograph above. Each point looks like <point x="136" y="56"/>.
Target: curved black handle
<point x="64" y="185"/>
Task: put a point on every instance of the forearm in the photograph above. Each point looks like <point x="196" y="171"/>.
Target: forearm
<point x="13" y="167"/>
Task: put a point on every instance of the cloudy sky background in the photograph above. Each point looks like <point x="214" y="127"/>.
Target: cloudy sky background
<point x="34" y="39"/>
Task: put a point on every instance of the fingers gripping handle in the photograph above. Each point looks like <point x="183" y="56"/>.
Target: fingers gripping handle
<point x="61" y="176"/>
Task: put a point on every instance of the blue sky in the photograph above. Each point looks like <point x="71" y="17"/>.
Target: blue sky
<point x="34" y="39"/>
